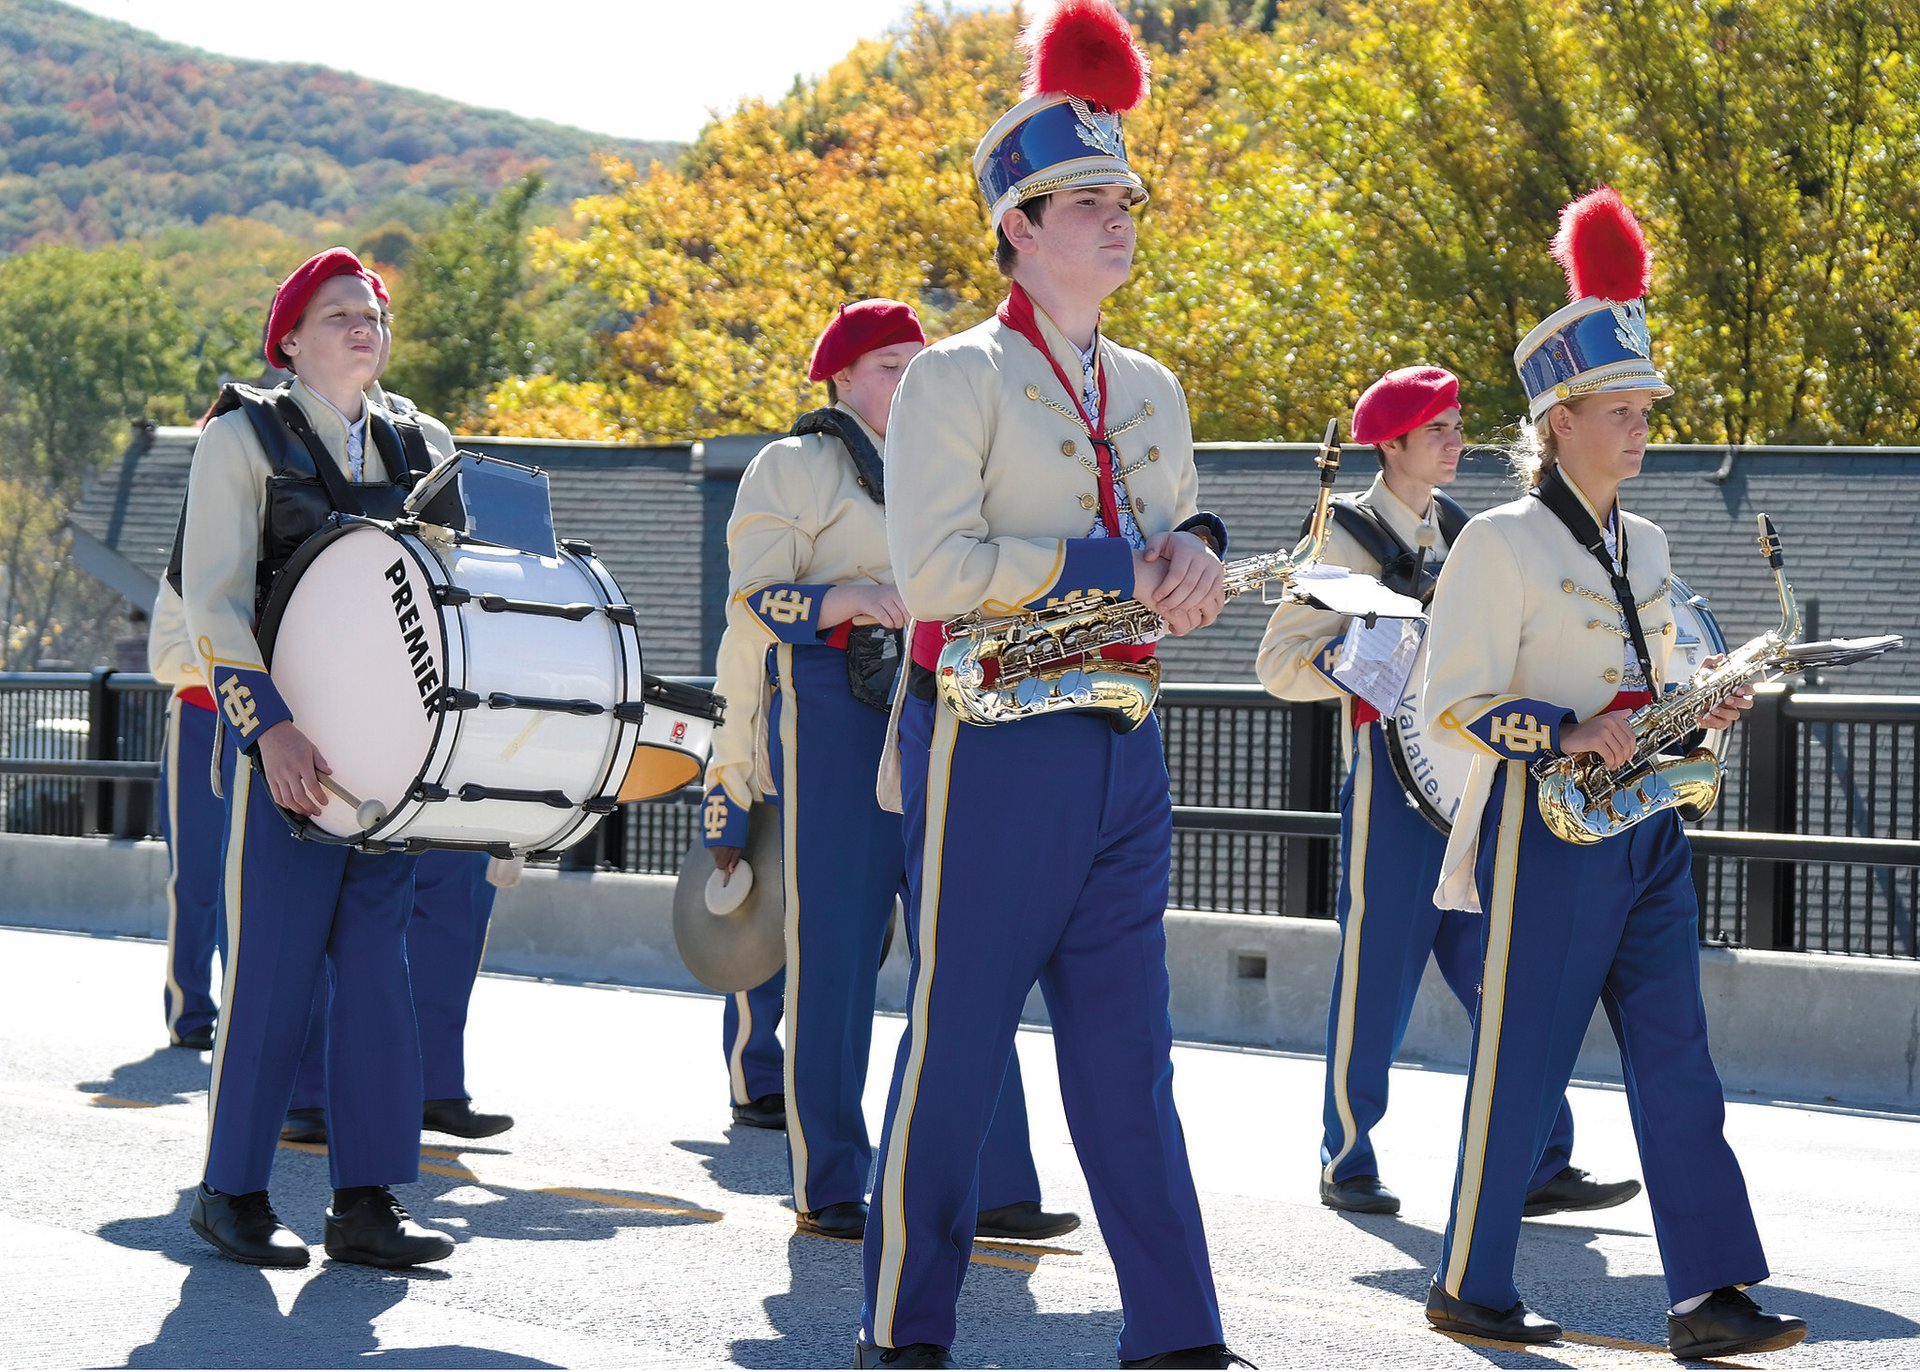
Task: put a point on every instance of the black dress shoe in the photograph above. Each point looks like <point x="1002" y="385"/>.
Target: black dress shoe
<point x="906" y="1355"/>
<point x="199" y="1040"/>
<point x="1573" y="1189"/>
<point x="1728" y="1322"/>
<point x="368" y="1225"/>
<point x="763" y="1112"/>
<point x="308" y="1124"/>
<point x="1207" y="1355"/>
<point x="1366" y="1195"/>
<point x="1023" y="1220"/>
<point x="246" y="1229"/>
<point x="1515" y="1324"/>
<point x="459" y="1118"/>
<point x="841" y="1220"/>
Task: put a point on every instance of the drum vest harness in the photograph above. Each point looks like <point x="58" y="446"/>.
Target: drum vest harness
<point x="1403" y="569"/>
<point x="873" y="650"/>
<point x="306" y="488"/>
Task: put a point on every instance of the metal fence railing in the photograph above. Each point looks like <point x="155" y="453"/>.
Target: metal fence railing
<point x="1814" y="844"/>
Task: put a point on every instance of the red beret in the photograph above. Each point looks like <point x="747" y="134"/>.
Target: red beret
<point x="290" y="301"/>
<point x="1402" y="401"/>
<point x="860" y="328"/>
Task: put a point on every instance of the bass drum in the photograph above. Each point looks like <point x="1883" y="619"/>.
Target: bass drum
<point x="486" y="698"/>
<point x="1434" y="776"/>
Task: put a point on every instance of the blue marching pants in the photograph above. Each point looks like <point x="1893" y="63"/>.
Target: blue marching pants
<point x="755" y="1064"/>
<point x="193" y="822"/>
<point x="1568" y="925"/>
<point x="844" y="858"/>
<point x="1388" y="926"/>
<point x="296" y="909"/>
<point x="1037" y="850"/>
<point x="446" y="937"/>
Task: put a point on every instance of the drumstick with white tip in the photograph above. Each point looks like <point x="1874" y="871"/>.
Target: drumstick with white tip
<point x="366" y="813"/>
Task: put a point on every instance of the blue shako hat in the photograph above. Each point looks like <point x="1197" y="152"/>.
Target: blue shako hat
<point x="1083" y="72"/>
<point x="1599" y="341"/>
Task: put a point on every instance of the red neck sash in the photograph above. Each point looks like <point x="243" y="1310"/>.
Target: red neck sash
<point x="1017" y="312"/>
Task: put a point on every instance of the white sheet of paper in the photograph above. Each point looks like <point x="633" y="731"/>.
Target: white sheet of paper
<point x="1376" y="661"/>
<point x="1347" y="592"/>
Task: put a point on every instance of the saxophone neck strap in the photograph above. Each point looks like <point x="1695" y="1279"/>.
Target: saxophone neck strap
<point x="867" y="464"/>
<point x="1559" y="497"/>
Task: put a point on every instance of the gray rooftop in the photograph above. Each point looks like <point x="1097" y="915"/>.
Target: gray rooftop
<point x="657" y="518"/>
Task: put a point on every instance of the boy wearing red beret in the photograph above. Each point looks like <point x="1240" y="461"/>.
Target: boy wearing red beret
<point x="268" y="471"/>
<point x="1399" y="530"/>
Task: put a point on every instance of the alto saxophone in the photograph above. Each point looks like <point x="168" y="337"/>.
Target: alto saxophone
<point x="996" y="668"/>
<point x="1584" y="801"/>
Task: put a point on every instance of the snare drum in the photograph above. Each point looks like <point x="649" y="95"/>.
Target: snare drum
<point x="676" y="739"/>
<point x="486" y="697"/>
<point x="1434" y="775"/>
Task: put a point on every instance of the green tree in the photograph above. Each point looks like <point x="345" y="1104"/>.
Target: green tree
<point x="460" y="323"/>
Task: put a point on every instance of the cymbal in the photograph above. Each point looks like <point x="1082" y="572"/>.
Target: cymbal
<point x="737" y="950"/>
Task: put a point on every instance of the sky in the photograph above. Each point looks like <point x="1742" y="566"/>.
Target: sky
<point x="646" y="69"/>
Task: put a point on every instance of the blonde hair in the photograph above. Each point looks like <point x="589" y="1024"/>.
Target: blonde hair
<point x="1536" y="447"/>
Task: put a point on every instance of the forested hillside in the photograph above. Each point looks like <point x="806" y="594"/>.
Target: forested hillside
<point x="108" y="133"/>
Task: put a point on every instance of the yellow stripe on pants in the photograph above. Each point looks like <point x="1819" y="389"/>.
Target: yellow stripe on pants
<point x="893" y="1252"/>
<point x="1356" y="860"/>
<point x="1493" y="1004"/>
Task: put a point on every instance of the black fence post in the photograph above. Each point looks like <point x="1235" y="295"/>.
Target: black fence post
<point x="1771" y="765"/>
<point x="1310" y="731"/>
<point x="103" y="745"/>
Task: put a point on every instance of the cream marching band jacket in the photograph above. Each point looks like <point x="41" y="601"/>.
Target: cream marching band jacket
<point x="993" y="485"/>
<point x="1526" y="638"/>
<point x="226" y="516"/>
<point x="802" y="524"/>
<point x="171" y="656"/>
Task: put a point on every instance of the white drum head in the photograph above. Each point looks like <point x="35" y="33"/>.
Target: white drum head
<point x="357" y="655"/>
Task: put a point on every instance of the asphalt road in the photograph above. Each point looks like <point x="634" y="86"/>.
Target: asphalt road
<point x="625" y="1222"/>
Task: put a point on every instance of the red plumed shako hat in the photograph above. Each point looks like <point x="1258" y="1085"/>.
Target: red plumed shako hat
<point x="290" y="301"/>
<point x="1403" y="400"/>
<point x="1083" y="72"/>
<point x="857" y="330"/>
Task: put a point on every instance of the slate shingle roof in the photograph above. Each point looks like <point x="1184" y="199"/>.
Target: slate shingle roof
<point x="658" y="519"/>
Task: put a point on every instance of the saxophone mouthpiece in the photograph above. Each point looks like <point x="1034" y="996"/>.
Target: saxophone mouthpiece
<point x="1330" y="453"/>
<point x="1770" y="544"/>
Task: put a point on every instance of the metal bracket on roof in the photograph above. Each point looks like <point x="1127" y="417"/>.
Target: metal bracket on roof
<point x="1725" y="469"/>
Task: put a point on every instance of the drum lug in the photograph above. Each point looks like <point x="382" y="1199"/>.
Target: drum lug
<point x="630" y="711"/>
<point x="557" y="800"/>
<point x="499" y="604"/>
<point x="500" y="700"/>
<point x="622" y="615"/>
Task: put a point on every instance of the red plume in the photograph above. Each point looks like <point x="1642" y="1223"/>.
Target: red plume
<point x="1602" y="249"/>
<point x="1084" y="48"/>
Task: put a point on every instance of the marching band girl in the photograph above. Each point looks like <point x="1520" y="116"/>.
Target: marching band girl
<point x="1550" y="624"/>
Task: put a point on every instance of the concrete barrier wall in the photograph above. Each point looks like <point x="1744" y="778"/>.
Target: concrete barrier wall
<point x="1802" y="1026"/>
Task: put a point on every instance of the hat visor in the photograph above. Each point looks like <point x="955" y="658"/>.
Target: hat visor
<point x="1637" y="376"/>
<point x="1083" y="174"/>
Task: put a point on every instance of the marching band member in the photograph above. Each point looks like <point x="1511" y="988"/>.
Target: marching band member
<point x="1537" y="652"/>
<point x="1031" y="459"/>
<point x="453" y="896"/>
<point x="808" y="554"/>
<point x="192" y="818"/>
<point x="1398" y="530"/>
<point x="266" y="474"/>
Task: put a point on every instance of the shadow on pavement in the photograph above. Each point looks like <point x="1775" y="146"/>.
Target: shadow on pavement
<point x="818" y="1317"/>
<point x="166" y="1076"/>
<point x="1563" y="1277"/>
<point x="229" y="1314"/>
<point x="748" y="1162"/>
